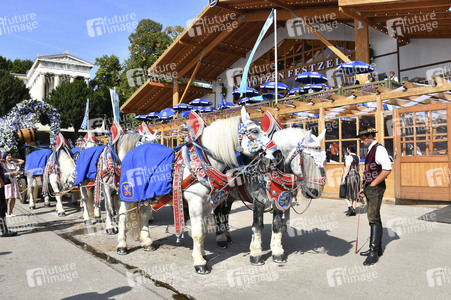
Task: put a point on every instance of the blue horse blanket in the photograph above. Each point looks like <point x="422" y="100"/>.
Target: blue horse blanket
<point x="74" y="150"/>
<point x="86" y="166"/>
<point x="36" y="160"/>
<point x="146" y="173"/>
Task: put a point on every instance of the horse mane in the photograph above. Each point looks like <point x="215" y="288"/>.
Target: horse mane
<point x="221" y="139"/>
<point x="66" y="164"/>
<point x="126" y="143"/>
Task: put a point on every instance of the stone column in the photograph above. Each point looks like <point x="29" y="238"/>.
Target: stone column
<point x="40" y="86"/>
<point x="72" y="79"/>
<point x="56" y="81"/>
<point x="87" y="81"/>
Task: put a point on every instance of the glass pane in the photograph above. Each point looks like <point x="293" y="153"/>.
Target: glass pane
<point x="366" y="122"/>
<point x="422" y="149"/>
<point x="439" y="117"/>
<point x="332" y="129"/>
<point x="298" y="60"/>
<point x="281" y="65"/>
<point x="409" y="149"/>
<point x="389" y="147"/>
<point x="344" y="146"/>
<point x="333" y="152"/>
<point x="308" y="57"/>
<point x="289" y="62"/>
<point x="440" y="148"/>
<point x="388" y="121"/>
<point x="290" y="83"/>
<point x="317" y="55"/>
<point x="422" y="122"/>
<point x="406" y="122"/>
<point x="348" y="128"/>
<point x="313" y="126"/>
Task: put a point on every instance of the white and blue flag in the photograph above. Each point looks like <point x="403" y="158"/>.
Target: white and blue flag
<point x="265" y="28"/>
<point x="84" y="124"/>
<point x="115" y="103"/>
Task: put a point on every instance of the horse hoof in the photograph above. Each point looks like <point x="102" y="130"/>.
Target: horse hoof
<point x="257" y="261"/>
<point x="88" y="222"/>
<point x="222" y="244"/>
<point x="151" y="221"/>
<point x="46" y="204"/>
<point x="149" y="248"/>
<point x="202" y="270"/>
<point x="32" y="207"/>
<point x="279" y="259"/>
<point x="61" y="214"/>
<point x="110" y="231"/>
<point x="122" y="250"/>
<point x="115" y="230"/>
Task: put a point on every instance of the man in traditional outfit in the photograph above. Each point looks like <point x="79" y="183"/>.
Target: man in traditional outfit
<point x="377" y="168"/>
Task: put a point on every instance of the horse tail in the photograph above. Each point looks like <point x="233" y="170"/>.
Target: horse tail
<point x="133" y="223"/>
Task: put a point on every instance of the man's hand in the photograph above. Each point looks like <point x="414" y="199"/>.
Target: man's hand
<point x="361" y="193"/>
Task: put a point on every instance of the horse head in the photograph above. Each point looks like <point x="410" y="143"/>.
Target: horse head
<point x="253" y="140"/>
<point x="148" y="136"/>
<point x="66" y="163"/>
<point x="304" y="158"/>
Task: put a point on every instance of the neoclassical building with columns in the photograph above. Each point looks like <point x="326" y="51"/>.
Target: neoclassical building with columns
<point x="47" y="72"/>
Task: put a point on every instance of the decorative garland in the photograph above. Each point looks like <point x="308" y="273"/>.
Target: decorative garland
<point x="26" y="115"/>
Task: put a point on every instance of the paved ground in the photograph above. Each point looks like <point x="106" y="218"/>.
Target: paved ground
<point x="56" y="258"/>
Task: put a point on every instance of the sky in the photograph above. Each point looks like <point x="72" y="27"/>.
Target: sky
<point x="30" y="27"/>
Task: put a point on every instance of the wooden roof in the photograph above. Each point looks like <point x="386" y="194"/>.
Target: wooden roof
<point x="219" y="49"/>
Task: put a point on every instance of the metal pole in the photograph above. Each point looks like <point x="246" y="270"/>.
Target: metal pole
<point x="275" y="51"/>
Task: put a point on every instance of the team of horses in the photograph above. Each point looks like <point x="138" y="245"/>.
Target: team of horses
<point x="273" y="165"/>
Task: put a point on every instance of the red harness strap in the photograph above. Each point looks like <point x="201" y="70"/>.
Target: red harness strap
<point x="179" y="218"/>
<point x="281" y="188"/>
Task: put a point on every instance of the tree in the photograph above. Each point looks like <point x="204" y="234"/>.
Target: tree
<point x="17" y="66"/>
<point x="107" y="77"/>
<point x="69" y="98"/>
<point x="12" y="91"/>
<point x="173" y="32"/>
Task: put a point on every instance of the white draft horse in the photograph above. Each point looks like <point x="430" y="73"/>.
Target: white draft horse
<point x="59" y="173"/>
<point x="222" y="139"/>
<point x="302" y="157"/>
<point x="108" y="166"/>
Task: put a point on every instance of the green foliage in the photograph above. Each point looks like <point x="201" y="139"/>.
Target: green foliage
<point x="16" y="66"/>
<point x="69" y="98"/>
<point x="173" y="32"/>
<point x="12" y="91"/>
<point x="108" y="74"/>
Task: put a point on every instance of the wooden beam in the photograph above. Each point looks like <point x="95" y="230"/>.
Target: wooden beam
<point x="280" y="4"/>
<point x="191" y="80"/>
<point x="175" y="93"/>
<point x="222" y="51"/>
<point x="348" y="12"/>
<point x="284" y="15"/>
<point x="365" y="2"/>
<point x="207" y="50"/>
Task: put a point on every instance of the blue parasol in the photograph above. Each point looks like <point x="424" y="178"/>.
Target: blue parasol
<point x="298" y="90"/>
<point x="184" y="114"/>
<point x="354" y="67"/>
<point x="270" y="96"/>
<point x="272" y="86"/>
<point x="141" y="117"/>
<point x="167" y="113"/>
<point x="182" y="106"/>
<point x="315" y="87"/>
<point x="255" y="99"/>
<point x="201" y="102"/>
<point x="152" y="115"/>
<point x="249" y="92"/>
<point x="311" y="77"/>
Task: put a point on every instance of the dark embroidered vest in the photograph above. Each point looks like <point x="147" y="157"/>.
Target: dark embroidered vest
<point x="372" y="169"/>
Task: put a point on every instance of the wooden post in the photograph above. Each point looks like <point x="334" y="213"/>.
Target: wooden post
<point x="175" y="92"/>
<point x="322" y="126"/>
<point x="380" y="121"/>
<point x="362" y="48"/>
